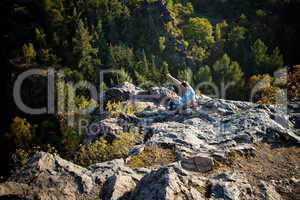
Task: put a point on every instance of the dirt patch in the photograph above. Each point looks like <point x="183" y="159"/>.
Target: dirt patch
<point x="277" y="164"/>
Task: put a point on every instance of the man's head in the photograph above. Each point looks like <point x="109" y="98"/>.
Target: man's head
<point x="184" y="84"/>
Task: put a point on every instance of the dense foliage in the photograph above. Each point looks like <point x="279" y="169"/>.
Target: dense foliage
<point x="145" y="39"/>
<point x="233" y="44"/>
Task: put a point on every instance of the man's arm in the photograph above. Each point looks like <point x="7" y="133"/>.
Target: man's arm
<point x="175" y="81"/>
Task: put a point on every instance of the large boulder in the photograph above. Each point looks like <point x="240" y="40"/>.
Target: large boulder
<point x="220" y="125"/>
<point x="162" y="95"/>
<point x="48" y="176"/>
<point x="230" y="186"/>
<point x="103" y="171"/>
<point x="18" y="190"/>
<point x="269" y="192"/>
<point x="186" y="139"/>
<point x="117" y="187"/>
<point x="105" y="128"/>
<point x="199" y="163"/>
<point x="122" y="92"/>
<point x="166" y="184"/>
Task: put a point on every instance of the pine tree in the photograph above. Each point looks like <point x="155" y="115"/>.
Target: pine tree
<point x="164" y="71"/>
<point x="203" y="75"/>
<point x="263" y="62"/>
<point x="40" y="37"/>
<point x="237" y="34"/>
<point x="162" y="43"/>
<point x="140" y="78"/>
<point x="200" y="29"/>
<point x="154" y="74"/>
<point x="123" y="76"/>
<point x="226" y="71"/>
<point x="259" y="52"/>
<point x="275" y="60"/>
<point x="29" y="53"/>
<point x="121" y="56"/>
<point x="84" y="52"/>
<point x="186" y="75"/>
<point x="53" y="12"/>
<point x="220" y="30"/>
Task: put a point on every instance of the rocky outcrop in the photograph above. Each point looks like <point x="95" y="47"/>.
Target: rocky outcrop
<point x="202" y="138"/>
<point x="269" y="192"/>
<point x="122" y="92"/>
<point x="162" y="95"/>
<point x="127" y="91"/>
<point x="165" y="183"/>
<point x="117" y="187"/>
<point x="198" y="163"/>
<point x="230" y="186"/>
<point x="48" y="176"/>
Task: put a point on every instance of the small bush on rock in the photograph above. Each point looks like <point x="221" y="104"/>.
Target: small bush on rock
<point x="21" y="133"/>
<point x="115" y="109"/>
<point x="267" y="92"/>
<point x="20" y="157"/>
<point x="102" y="150"/>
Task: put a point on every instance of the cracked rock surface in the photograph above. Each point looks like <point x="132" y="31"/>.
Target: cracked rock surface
<point x="203" y="138"/>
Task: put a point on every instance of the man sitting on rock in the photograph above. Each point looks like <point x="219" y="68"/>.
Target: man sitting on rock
<point x="186" y="93"/>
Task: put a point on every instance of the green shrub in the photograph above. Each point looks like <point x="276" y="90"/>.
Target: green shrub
<point x="101" y="150"/>
<point x="20" y="157"/>
<point x="266" y="91"/>
<point x="115" y="109"/>
<point x="71" y="138"/>
<point x="21" y="133"/>
<point x="29" y="53"/>
<point x="200" y="29"/>
<point x="186" y="75"/>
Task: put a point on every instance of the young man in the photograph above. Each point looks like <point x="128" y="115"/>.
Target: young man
<point x="186" y="93"/>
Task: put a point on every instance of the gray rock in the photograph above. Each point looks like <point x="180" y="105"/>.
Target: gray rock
<point x="229" y="186"/>
<point x="186" y="139"/>
<point x="20" y="190"/>
<point x="208" y="130"/>
<point x="227" y="107"/>
<point x="269" y="192"/>
<point x="118" y="187"/>
<point x="198" y="163"/>
<point x="109" y="128"/>
<point x="162" y="95"/>
<point x="122" y="92"/>
<point x="105" y="128"/>
<point x="136" y="150"/>
<point x="166" y="184"/>
<point x="199" y="137"/>
<point x="102" y="171"/>
<point x="48" y="176"/>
